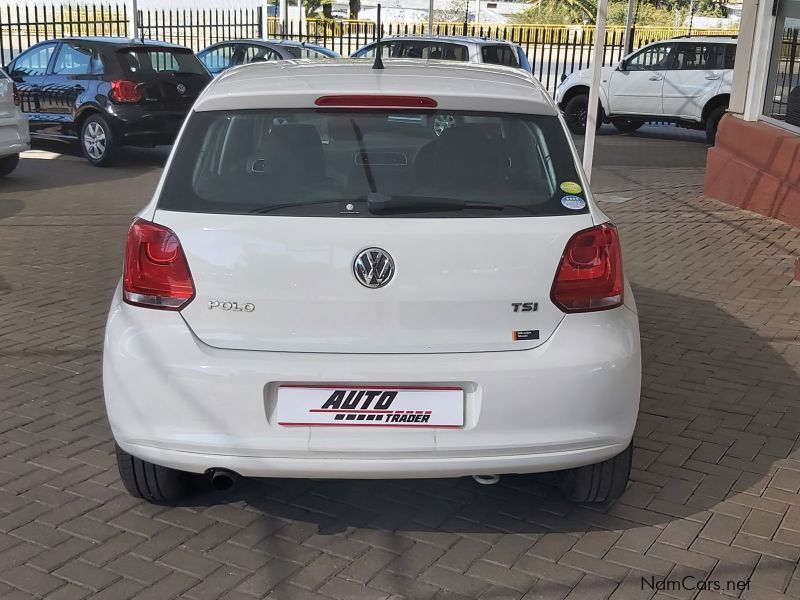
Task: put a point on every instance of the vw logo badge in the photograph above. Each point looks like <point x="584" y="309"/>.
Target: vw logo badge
<point x="181" y="89"/>
<point x="373" y="268"/>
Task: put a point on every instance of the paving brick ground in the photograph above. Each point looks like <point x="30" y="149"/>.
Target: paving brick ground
<point x="715" y="486"/>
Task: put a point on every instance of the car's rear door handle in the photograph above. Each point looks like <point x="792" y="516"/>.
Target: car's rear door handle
<point x="712" y="77"/>
<point x="656" y="78"/>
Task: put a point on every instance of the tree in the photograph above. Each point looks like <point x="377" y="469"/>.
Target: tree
<point x="355" y="8"/>
<point x="454" y="13"/>
<point x="312" y="6"/>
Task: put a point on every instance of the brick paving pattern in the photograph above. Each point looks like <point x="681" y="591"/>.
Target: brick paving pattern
<point x="714" y="491"/>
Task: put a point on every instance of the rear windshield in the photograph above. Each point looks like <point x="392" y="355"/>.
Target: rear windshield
<point x="337" y="163"/>
<point x="501" y="54"/>
<point x="433" y="51"/>
<point x="149" y="60"/>
<point x="306" y="52"/>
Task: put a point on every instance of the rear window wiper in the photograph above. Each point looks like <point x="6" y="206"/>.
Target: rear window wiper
<point x="381" y="203"/>
<point x="261" y="210"/>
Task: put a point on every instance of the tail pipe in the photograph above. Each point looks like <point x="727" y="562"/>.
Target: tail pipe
<point x="223" y="479"/>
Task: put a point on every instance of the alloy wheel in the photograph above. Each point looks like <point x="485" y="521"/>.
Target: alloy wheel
<point x="94" y="141"/>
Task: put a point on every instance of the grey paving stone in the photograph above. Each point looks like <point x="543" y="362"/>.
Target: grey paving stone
<point x="716" y="465"/>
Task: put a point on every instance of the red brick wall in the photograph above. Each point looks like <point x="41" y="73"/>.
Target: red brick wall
<point x="756" y="166"/>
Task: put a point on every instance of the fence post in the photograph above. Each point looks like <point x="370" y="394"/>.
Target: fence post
<point x="133" y="19"/>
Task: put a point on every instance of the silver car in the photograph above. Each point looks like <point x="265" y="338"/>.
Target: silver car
<point x="448" y="47"/>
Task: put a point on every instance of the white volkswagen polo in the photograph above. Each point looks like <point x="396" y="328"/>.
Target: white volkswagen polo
<point x="323" y="287"/>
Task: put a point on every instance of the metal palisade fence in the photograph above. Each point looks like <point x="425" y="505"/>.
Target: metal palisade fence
<point x="552" y="49"/>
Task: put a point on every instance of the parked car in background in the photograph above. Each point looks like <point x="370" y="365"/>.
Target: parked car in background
<point x="106" y="92"/>
<point x="224" y="55"/>
<point x="682" y="80"/>
<point x="451" y="48"/>
<point x="14" y="135"/>
<point x="447" y="47"/>
<point x="320" y="289"/>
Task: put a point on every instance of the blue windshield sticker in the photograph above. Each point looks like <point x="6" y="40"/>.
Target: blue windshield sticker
<point x="573" y="202"/>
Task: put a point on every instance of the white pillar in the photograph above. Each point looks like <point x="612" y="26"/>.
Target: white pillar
<point x="284" y="16"/>
<point x="133" y="19"/>
<point x="430" y="17"/>
<point x="594" y="89"/>
<point x="627" y="41"/>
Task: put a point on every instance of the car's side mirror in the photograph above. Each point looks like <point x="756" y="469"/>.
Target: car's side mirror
<point x="623" y="65"/>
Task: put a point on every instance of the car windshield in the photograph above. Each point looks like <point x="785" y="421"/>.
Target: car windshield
<point x="158" y="60"/>
<point x="336" y="162"/>
<point x="306" y="52"/>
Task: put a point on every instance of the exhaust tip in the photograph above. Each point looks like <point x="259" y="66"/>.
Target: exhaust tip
<point x="486" y="479"/>
<point x="223" y="479"/>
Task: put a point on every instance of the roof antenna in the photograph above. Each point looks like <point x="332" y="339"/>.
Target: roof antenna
<point x="378" y="64"/>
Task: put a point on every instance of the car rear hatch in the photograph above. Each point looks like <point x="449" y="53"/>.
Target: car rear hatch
<point x="276" y="268"/>
<point x="288" y="284"/>
<point x="166" y="77"/>
<point x="7" y="100"/>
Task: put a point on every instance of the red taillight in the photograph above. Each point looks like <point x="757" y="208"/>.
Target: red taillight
<point x="590" y="274"/>
<point x="156" y="273"/>
<point x="124" y="91"/>
<point x="365" y="101"/>
<point x="15" y="92"/>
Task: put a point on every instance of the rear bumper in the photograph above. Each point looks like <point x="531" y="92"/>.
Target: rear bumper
<point x="174" y="401"/>
<point x="401" y="467"/>
<point x="14" y="135"/>
<point x="144" y="125"/>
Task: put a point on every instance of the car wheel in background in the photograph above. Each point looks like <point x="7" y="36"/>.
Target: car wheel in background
<point x="626" y="125"/>
<point x="712" y="122"/>
<point x="576" y="112"/>
<point x="8" y="164"/>
<point x="151" y="482"/>
<point x="598" y="483"/>
<point x="97" y="141"/>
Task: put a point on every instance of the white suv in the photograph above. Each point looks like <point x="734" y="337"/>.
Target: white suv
<point x="322" y="288"/>
<point x="14" y="134"/>
<point x="685" y="80"/>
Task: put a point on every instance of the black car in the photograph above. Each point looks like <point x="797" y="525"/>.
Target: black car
<point x="107" y="92"/>
<point x="227" y="54"/>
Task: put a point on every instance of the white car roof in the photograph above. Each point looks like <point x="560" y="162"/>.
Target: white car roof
<point x="705" y="39"/>
<point x="454" y="85"/>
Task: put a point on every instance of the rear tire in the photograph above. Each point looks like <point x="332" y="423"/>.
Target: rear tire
<point x="626" y="125"/>
<point x="97" y="141"/>
<point x="598" y="483"/>
<point x="8" y="164"/>
<point x="576" y="111"/>
<point x="712" y="123"/>
<point x="154" y="483"/>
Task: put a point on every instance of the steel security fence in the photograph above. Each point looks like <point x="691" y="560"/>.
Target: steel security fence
<point x="21" y="26"/>
<point x="553" y="50"/>
<point x="199" y="28"/>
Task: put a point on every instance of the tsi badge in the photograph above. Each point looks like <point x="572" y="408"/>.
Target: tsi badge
<point x="525" y="306"/>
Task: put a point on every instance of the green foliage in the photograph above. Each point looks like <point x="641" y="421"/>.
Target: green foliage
<point x="577" y="12"/>
<point x="710" y="8"/>
<point x="558" y="12"/>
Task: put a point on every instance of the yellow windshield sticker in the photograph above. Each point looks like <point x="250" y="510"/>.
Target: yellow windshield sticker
<point x="570" y="187"/>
